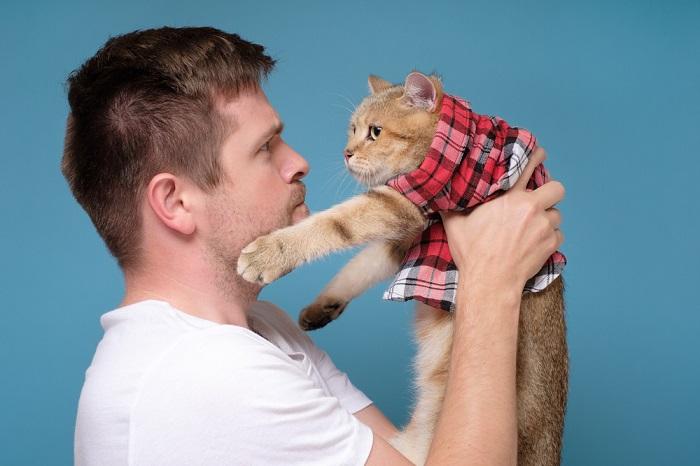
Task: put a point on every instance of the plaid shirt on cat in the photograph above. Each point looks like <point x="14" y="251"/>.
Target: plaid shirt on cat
<point x="472" y="159"/>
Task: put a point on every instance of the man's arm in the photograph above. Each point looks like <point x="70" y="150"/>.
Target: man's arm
<point x="478" y="420"/>
<point x="496" y="247"/>
<point x="375" y="419"/>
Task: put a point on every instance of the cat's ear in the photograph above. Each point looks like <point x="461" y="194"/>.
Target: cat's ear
<point x="377" y="84"/>
<point x="421" y="91"/>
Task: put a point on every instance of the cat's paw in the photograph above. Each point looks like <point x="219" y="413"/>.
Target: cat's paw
<point x="321" y="312"/>
<point x="264" y="260"/>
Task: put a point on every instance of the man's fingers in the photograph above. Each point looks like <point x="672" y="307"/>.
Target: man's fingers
<point x="560" y="238"/>
<point x="549" y="194"/>
<point x="536" y="157"/>
<point x="554" y="217"/>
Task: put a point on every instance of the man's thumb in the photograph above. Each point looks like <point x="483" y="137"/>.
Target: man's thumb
<point x="536" y="157"/>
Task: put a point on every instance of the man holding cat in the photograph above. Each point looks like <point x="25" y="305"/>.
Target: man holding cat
<point x="177" y="156"/>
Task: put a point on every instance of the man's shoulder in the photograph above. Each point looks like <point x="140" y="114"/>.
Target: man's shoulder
<point x="279" y="327"/>
<point x="229" y="345"/>
<point x="223" y="359"/>
<point x="271" y="312"/>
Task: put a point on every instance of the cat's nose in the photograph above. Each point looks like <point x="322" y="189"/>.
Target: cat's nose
<point x="347" y="154"/>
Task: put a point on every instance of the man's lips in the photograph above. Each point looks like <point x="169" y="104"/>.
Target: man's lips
<point x="299" y="196"/>
<point x="300" y="212"/>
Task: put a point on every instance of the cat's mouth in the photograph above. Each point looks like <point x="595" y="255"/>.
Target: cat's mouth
<point x="361" y="173"/>
<point x="365" y="175"/>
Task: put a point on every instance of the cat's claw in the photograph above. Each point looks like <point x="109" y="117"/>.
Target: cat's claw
<point x="263" y="261"/>
<point x="321" y="312"/>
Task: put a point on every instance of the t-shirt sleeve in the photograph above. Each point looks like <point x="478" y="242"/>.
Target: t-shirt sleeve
<point x="338" y="382"/>
<point x="229" y="399"/>
<point x="351" y="398"/>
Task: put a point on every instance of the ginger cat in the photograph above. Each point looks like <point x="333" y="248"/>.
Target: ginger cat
<point x="390" y="134"/>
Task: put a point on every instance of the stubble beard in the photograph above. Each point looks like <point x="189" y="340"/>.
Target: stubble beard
<point x="232" y="230"/>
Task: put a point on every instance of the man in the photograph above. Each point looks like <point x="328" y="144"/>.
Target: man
<point x="177" y="156"/>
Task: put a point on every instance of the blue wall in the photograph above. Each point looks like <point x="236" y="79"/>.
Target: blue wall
<point x="609" y="88"/>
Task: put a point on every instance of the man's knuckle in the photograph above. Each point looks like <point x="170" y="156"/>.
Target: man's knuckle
<point x="561" y="187"/>
<point x="531" y="208"/>
<point x="550" y="229"/>
<point x="557" y="215"/>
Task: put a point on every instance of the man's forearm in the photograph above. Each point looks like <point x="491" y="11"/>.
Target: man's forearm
<point x="478" y="420"/>
<point x="377" y="421"/>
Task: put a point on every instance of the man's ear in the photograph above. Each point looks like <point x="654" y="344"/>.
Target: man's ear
<point x="377" y="84"/>
<point x="421" y="91"/>
<point x="170" y="202"/>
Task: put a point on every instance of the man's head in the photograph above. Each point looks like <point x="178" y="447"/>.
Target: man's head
<point x="170" y="143"/>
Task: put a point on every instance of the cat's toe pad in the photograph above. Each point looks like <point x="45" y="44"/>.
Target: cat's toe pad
<point x="320" y="313"/>
<point x="263" y="261"/>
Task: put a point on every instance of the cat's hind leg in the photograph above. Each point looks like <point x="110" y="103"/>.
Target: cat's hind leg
<point x="434" y="331"/>
<point x="376" y="262"/>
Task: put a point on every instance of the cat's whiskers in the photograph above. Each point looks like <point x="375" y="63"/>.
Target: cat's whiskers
<point x="343" y="107"/>
<point x="347" y="179"/>
<point x="333" y="178"/>
<point x="337" y="178"/>
<point x="358" y="175"/>
<point x="363" y="167"/>
<point x="341" y="187"/>
<point x="372" y="181"/>
<point x="357" y="186"/>
<point x="366" y="179"/>
<point x="347" y="100"/>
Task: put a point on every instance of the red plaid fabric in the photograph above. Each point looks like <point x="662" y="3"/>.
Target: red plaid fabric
<point x="472" y="159"/>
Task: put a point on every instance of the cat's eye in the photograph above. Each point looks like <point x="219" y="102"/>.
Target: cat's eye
<point x="374" y="132"/>
<point x="353" y="129"/>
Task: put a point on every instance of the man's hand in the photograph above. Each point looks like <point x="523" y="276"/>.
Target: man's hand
<point x="508" y="239"/>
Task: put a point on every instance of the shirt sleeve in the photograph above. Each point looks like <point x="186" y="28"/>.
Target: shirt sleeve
<point x="338" y="382"/>
<point x="235" y="400"/>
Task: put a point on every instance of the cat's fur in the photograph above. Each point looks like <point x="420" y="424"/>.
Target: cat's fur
<point x="407" y="115"/>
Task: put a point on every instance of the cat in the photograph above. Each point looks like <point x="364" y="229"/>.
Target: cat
<point x="390" y="133"/>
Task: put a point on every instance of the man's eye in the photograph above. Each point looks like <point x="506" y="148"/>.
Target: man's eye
<point x="374" y="132"/>
<point x="265" y="147"/>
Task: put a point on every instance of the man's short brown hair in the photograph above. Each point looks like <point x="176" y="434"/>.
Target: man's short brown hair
<point x="146" y="103"/>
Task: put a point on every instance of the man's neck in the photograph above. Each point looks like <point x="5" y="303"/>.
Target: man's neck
<point x="200" y="293"/>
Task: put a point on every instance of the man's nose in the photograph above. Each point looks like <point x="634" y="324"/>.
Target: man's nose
<point x="296" y="167"/>
<point x="347" y="153"/>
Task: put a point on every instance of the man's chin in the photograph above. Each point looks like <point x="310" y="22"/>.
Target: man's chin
<point x="299" y="213"/>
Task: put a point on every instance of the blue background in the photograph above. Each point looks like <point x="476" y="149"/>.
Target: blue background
<point x="609" y="88"/>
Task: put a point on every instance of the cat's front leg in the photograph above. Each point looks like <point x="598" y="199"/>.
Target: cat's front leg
<point x="269" y="257"/>
<point x="380" y="214"/>
<point x="373" y="264"/>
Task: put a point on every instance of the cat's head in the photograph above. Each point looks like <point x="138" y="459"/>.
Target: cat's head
<point x="391" y="130"/>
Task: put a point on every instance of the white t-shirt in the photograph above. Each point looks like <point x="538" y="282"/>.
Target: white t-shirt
<point x="169" y="388"/>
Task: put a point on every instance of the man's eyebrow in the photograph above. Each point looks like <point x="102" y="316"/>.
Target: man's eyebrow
<point x="276" y="129"/>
